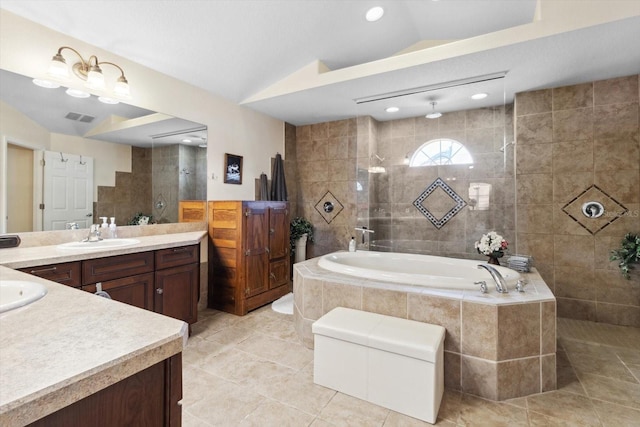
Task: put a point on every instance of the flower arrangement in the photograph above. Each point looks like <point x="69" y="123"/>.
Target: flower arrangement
<point x="492" y="244"/>
<point x="140" y="219"/>
<point x="627" y="254"/>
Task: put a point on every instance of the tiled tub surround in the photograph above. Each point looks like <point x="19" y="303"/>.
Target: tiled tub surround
<point x="497" y="346"/>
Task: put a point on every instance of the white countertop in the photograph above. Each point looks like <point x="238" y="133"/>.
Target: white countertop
<point x="71" y="344"/>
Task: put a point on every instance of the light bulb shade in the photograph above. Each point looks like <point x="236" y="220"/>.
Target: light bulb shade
<point x="121" y="88"/>
<point x="58" y="67"/>
<point x="433" y="115"/>
<point x="95" y="78"/>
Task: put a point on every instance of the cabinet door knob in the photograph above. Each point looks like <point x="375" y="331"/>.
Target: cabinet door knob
<point x="159" y="291"/>
<point x="273" y="276"/>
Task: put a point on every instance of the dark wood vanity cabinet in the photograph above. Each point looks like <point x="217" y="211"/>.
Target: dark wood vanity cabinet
<point x="248" y="254"/>
<point x="149" y="398"/>
<point x="166" y="281"/>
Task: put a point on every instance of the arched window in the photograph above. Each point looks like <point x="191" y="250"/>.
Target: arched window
<point x="441" y="151"/>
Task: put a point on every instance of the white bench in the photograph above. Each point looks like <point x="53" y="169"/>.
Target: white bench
<point x="392" y="362"/>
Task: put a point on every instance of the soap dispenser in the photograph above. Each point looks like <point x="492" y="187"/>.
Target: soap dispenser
<point x="352" y="244"/>
<point x="104" y="222"/>
<point x="112" y="228"/>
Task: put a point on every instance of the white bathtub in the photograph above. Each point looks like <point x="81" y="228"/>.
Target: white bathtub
<point x="413" y="269"/>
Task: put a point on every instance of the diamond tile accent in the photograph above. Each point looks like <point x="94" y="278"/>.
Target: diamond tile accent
<point x="446" y="191"/>
<point x="612" y="209"/>
<point x="337" y="207"/>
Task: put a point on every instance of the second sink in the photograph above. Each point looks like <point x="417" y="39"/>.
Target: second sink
<point x="101" y="244"/>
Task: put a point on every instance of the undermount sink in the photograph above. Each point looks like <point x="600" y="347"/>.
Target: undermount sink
<point x="100" y="244"/>
<point x="18" y="293"/>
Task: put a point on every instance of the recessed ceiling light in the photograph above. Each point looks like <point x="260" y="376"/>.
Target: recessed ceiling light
<point x="374" y="14"/>
<point x="77" y="93"/>
<point x="392" y="110"/>
<point x="202" y="145"/>
<point x="107" y="100"/>
<point x="479" y="96"/>
<point x="186" y="141"/>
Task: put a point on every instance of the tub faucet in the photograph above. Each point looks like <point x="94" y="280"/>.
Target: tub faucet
<point x="364" y="230"/>
<point x="501" y="284"/>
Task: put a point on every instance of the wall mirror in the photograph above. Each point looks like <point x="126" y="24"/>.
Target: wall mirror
<point x="100" y="160"/>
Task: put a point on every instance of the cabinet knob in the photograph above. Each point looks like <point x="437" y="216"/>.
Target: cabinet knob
<point x="159" y="291"/>
<point x="273" y="276"/>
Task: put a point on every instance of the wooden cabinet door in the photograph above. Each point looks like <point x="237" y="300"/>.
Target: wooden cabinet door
<point x="278" y="231"/>
<point x="135" y="290"/>
<point x="176" y="292"/>
<point x="278" y="273"/>
<point x="256" y="258"/>
<point x="115" y="267"/>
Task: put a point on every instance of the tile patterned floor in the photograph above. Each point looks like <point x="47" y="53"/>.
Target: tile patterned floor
<point x="253" y="371"/>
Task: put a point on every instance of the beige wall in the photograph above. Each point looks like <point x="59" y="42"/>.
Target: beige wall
<point x="20" y="189"/>
<point x="26" y="48"/>
<point x="569" y="139"/>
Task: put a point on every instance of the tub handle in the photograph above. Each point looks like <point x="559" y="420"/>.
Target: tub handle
<point x="483" y="286"/>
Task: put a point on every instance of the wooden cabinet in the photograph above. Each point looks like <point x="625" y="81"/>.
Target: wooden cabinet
<point x="166" y="281"/>
<point x="177" y="282"/>
<point x="149" y="398"/>
<point x="248" y="254"/>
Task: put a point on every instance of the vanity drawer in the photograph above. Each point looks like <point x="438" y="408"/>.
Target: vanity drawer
<point x="115" y="267"/>
<point x="173" y="257"/>
<point x="67" y="273"/>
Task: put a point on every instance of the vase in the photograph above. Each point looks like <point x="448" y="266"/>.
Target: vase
<point x="493" y="260"/>
<point x="301" y="248"/>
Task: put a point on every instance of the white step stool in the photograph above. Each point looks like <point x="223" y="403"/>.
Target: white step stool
<point x="392" y="362"/>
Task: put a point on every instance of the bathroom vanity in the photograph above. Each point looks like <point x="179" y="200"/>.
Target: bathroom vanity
<point x="73" y="358"/>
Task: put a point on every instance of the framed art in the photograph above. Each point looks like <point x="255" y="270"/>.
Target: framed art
<point x="232" y="169"/>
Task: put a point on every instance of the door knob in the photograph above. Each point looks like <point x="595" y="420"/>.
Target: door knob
<point x="159" y="291"/>
<point x="89" y="214"/>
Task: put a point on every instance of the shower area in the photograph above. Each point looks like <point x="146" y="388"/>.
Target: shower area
<point x="522" y="167"/>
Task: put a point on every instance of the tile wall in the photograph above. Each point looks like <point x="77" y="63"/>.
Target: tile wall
<point x="580" y="143"/>
<point x="132" y="192"/>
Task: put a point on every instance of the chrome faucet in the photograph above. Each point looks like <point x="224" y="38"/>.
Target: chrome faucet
<point x="94" y="233"/>
<point x="364" y="230"/>
<point x="501" y="284"/>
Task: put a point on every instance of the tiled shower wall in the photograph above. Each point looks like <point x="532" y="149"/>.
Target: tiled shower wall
<point x="570" y="139"/>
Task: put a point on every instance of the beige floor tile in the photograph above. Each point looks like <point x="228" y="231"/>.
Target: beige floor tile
<point x="198" y="349"/>
<point x="539" y="420"/>
<point x="611" y="390"/>
<point x="295" y="356"/>
<point x="189" y="420"/>
<point x="346" y="410"/>
<point x="565" y="406"/>
<point x="450" y="406"/>
<point x="275" y="414"/>
<point x="215" y="400"/>
<point x="321" y="423"/>
<point x="297" y="391"/>
<point x="244" y="368"/>
<point x="479" y="412"/>
<point x="635" y="371"/>
<point x="612" y="415"/>
<point x="568" y="380"/>
<point x="229" y="336"/>
<point x="395" y="419"/>
<point x="610" y="367"/>
<point x="629" y="356"/>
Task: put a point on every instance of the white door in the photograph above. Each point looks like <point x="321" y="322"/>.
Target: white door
<point x="68" y="190"/>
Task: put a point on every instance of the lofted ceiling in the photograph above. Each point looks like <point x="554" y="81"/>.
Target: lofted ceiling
<point x="247" y="50"/>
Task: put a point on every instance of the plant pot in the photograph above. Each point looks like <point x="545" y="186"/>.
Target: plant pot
<point x="301" y="249"/>
<point x="494" y="260"/>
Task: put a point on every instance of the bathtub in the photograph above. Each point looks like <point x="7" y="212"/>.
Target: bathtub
<point x="414" y="269"/>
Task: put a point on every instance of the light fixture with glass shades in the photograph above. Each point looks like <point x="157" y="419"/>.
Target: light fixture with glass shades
<point x="433" y="114"/>
<point x="89" y="71"/>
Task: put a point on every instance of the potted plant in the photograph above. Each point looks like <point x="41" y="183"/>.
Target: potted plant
<point x="301" y="232"/>
<point x="628" y="253"/>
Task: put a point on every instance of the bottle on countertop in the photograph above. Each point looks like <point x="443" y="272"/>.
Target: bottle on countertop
<point x="112" y="228"/>
<point x="352" y="245"/>
<point x="104" y="222"/>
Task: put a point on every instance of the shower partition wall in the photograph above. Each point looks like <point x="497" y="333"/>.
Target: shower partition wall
<point x="434" y="186"/>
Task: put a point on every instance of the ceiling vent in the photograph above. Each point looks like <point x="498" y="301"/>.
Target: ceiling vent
<point x="79" y="117"/>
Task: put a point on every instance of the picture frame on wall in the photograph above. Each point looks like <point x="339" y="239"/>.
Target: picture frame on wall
<point x="232" y="169"/>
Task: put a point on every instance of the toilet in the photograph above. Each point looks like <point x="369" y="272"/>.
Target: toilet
<point x="391" y="362"/>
